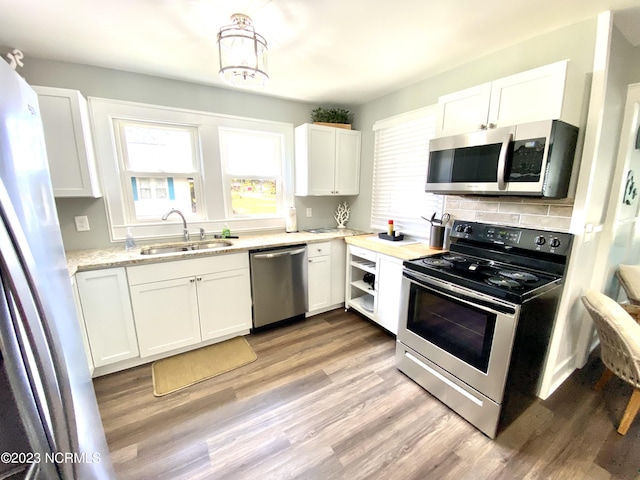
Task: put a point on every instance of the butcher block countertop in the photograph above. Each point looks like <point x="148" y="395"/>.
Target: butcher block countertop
<point x="405" y="249"/>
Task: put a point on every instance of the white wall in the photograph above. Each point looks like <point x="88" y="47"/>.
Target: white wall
<point x="114" y="84"/>
<point x="573" y="334"/>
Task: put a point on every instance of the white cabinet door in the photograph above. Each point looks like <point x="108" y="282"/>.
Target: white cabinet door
<point x="319" y="276"/>
<point x="389" y="285"/>
<point x="106" y="307"/>
<point x="347" y="167"/>
<point x="83" y="328"/>
<point x="463" y="111"/>
<point x="338" y="262"/>
<point x="224" y="303"/>
<point x="166" y="315"/>
<point x="67" y="133"/>
<point x="528" y="96"/>
<point x="327" y="160"/>
<point x="315" y="159"/>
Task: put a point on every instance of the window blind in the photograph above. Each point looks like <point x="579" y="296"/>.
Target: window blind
<point x="401" y="153"/>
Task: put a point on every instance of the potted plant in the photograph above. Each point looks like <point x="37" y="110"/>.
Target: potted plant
<point x="332" y="117"/>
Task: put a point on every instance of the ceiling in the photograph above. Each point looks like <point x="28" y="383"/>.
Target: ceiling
<point x="321" y="51"/>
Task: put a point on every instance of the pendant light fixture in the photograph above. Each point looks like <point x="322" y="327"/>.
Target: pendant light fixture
<point x="243" y="53"/>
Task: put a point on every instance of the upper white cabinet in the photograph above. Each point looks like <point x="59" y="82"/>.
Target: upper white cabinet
<point x="529" y="96"/>
<point x="65" y="119"/>
<point x="327" y="160"/>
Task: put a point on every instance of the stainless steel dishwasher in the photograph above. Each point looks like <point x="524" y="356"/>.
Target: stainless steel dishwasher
<point x="278" y="284"/>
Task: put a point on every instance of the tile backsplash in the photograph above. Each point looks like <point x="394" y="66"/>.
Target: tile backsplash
<point x="517" y="211"/>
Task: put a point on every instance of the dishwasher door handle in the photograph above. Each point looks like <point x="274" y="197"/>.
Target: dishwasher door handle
<point x="279" y="254"/>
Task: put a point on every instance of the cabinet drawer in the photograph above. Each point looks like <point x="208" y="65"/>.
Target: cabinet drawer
<point x="363" y="253"/>
<point x="157" y="272"/>
<point x="318" y="249"/>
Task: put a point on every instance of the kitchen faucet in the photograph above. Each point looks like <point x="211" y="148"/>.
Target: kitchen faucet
<point x="185" y="230"/>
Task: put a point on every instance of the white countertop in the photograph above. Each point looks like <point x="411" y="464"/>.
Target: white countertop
<point x="93" y="259"/>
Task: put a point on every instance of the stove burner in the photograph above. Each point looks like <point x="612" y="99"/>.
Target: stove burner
<point x="503" y="282"/>
<point x="437" y="262"/>
<point x="454" y="258"/>
<point x="517" y="275"/>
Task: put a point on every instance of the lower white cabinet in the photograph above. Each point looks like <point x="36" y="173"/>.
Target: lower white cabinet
<point x="106" y="308"/>
<point x="83" y="328"/>
<point x="325" y="275"/>
<point x="224" y="303"/>
<point x="389" y="283"/>
<point x="185" y="302"/>
<point x="373" y="287"/>
<point x="166" y="315"/>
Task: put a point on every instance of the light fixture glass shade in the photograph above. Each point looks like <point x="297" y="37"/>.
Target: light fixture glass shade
<point x="243" y="53"/>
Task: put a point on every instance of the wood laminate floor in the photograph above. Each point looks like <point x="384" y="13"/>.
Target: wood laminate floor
<point x="325" y="401"/>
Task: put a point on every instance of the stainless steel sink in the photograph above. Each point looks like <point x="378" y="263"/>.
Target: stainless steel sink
<point x="184" y="247"/>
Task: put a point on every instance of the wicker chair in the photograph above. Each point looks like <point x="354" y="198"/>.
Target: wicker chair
<point x="619" y="348"/>
<point x="629" y="277"/>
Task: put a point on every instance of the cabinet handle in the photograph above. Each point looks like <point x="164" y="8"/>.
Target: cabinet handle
<point x="491" y="125"/>
<point x="483" y="126"/>
<point x="193" y="280"/>
<point x="199" y="279"/>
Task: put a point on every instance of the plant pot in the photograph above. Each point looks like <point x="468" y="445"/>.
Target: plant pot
<point x="346" y="126"/>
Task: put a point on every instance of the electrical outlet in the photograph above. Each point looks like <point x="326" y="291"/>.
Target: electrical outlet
<point x="309" y="213"/>
<point x="82" y="223"/>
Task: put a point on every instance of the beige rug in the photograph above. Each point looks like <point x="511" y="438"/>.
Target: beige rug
<point x="180" y="371"/>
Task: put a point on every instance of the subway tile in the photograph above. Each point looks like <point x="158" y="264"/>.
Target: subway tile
<point x="484" y="206"/>
<point x="451" y="204"/>
<point x="527" y="208"/>
<point x="508" y="218"/>
<point x="469" y="215"/>
<point x="538" y="221"/>
<point x="561" y="210"/>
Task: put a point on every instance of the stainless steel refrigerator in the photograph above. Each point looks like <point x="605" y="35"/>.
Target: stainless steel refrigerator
<point x="50" y="426"/>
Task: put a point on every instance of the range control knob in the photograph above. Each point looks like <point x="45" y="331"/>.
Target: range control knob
<point x="468" y="229"/>
<point x="459" y="228"/>
<point x="540" y="240"/>
<point x="555" y="242"/>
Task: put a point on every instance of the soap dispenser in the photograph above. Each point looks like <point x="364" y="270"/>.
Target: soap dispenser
<point x="129" y="243"/>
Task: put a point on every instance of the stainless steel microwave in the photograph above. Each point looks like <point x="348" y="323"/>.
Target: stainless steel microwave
<point x="532" y="159"/>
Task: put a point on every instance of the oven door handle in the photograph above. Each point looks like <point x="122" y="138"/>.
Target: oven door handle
<point x="474" y="299"/>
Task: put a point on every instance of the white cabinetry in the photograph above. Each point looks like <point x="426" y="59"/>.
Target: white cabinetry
<point x="319" y="275"/>
<point x="325" y="275"/>
<point x="379" y="302"/>
<point x="106" y="308"/>
<point x="182" y="303"/>
<point x="327" y="160"/>
<point x="389" y="284"/>
<point x="65" y="120"/>
<point x="83" y="328"/>
<point x="529" y="96"/>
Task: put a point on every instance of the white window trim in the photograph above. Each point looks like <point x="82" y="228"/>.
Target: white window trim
<point x="410" y="132"/>
<point x="227" y="177"/>
<point x="126" y="173"/>
<point x="103" y="111"/>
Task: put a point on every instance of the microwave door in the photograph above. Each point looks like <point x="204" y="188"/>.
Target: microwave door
<point x="471" y="163"/>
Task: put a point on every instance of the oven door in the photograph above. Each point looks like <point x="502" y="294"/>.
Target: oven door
<point x="466" y="333"/>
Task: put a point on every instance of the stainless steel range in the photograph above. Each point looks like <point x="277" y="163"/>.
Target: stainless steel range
<point x="477" y="320"/>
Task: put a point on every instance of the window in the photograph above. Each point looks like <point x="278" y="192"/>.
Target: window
<point x="401" y="153"/>
<point x="252" y="165"/>
<point x="216" y="169"/>
<point x="159" y="169"/>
